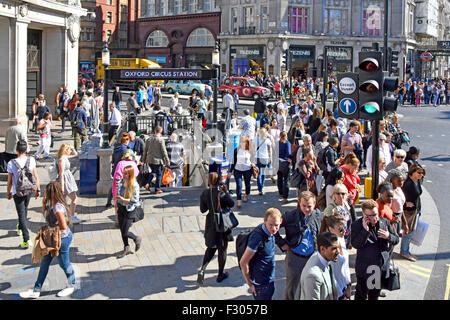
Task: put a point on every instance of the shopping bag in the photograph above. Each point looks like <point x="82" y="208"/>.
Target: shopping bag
<point x="167" y="176"/>
<point x="419" y="233"/>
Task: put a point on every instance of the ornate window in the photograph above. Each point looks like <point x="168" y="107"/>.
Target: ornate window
<point x="298" y="20"/>
<point x="177" y="6"/>
<point x="373" y="13"/>
<point x="192" y="6"/>
<point x="157" y="39"/>
<point x="200" y="37"/>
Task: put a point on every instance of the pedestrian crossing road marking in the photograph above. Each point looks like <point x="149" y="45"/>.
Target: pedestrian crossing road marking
<point x="447" y="287"/>
<point x="420" y="268"/>
<point x="419" y="273"/>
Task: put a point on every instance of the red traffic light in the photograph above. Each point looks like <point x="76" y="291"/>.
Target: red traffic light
<point x="369" y="65"/>
<point x="370" y="86"/>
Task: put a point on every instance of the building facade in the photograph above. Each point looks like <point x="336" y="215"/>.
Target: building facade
<point x="256" y="33"/>
<point x="39" y="50"/>
<point x="113" y="21"/>
<point x="178" y="33"/>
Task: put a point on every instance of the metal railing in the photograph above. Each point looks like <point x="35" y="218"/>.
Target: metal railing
<point x="169" y="123"/>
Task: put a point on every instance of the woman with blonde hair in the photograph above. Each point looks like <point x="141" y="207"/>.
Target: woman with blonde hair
<point x="66" y="178"/>
<point x="127" y="200"/>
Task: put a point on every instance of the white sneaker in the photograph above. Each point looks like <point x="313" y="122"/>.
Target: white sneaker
<point x="76" y="220"/>
<point x="30" y="294"/>
<point x="65" y="292"/>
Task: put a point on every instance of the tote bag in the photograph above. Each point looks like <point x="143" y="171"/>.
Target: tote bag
<point x="419" y="234"/>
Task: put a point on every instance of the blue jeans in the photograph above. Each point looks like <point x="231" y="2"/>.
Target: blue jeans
<point x="264" y="292"/>
<point x="117" y="103"/>
<point x="64" y="263"/>
<point x="400" y="99"/>
<point x="435" y="99"/>
<point x="238" y="175"/>
<point x="158" y="171"/>
<point x="406" y="240"/>
<point x="262" y="174"/>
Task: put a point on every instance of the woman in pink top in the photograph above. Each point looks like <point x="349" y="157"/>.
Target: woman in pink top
<point x="127" y="160"/>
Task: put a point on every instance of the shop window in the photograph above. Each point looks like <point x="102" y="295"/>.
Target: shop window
<point x="200" y="37"/>
<point x="157" y="39"/>
<point x="373" y="13"/>
<point x="298" y="20"/>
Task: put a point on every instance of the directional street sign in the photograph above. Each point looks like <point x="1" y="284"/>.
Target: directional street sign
<point x="348" y="95"/>
<point x="348" y="106"/>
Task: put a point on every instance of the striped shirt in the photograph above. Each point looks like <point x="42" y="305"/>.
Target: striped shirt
<point x="175" y="150"/>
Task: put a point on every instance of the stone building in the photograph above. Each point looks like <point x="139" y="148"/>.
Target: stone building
<point x="178" y="33"/>
<point x="255" y="33"/>
<point x="39" y="50"/>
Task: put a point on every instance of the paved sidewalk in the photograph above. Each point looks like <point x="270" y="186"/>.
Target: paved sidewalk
<point x="172" y="251"/>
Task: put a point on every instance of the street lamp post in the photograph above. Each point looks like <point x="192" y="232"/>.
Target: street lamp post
<point x="216" y="65"/>
<point x="105" y="63"/>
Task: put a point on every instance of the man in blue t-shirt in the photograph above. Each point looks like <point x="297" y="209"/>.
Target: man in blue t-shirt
<point x="258" y="261"/>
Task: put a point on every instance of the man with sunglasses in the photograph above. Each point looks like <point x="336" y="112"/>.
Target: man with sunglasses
<point x="372" y="236"/>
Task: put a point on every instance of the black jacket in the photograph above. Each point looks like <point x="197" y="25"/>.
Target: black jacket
<point x="331" y="156"/>
<point x="294" y="226"/>
<point x="212" y="238"/>
<point x="139" y="146"/>
<point x="117" y="96"/>
<point x="371" y="250"/>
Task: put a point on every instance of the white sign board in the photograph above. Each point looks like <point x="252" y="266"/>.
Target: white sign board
<point x="347" y="85"/>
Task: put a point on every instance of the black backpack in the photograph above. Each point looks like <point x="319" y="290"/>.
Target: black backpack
<point x="75" y="120"/>
<point x="242" y="242"/>
<point x="321" y="158"/>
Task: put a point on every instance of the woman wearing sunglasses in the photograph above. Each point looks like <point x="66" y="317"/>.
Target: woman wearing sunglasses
<point x="339" y="206"/>
<point x="399" y="162"/>
<point x="412" y="188"/>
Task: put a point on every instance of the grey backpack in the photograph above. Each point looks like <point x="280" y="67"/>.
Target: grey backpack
<point x="26" y="182"/>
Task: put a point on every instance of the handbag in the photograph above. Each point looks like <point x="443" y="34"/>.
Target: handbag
<point x="139" y="213"/>
<point x="390" y="279"/>
<point x="296" y="178"/>
<point x="224" y="219"/>
<point x="255" y="171"/>
<point x="167" y="176"/>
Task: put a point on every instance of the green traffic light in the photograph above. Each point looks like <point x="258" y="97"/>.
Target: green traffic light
<point x="371" y="108"/>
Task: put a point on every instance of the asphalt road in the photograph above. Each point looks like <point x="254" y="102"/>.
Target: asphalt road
<point x="429" y="131"/>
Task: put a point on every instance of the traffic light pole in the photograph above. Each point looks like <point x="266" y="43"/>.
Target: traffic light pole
<point x="376" y="123"/>
<point x="289" y="57"/>
<point x="325" y="80"/>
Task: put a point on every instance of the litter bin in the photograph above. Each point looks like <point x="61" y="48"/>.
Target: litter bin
<point x="220" y="165"/>
<point x="88" y="173"/>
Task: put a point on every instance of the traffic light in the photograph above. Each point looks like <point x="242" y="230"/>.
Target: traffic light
<point x="390" y="102"/>
<point x="393" y="61"/>
<point x="370" y="85"/>
<point x="330" y="67"/>
<point x="285" y="60"/>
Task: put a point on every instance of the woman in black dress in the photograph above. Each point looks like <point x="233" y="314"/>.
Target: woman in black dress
<point x="214" y="240"/>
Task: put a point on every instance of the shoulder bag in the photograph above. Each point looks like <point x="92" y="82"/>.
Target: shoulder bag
<point x="390" y="279"/>
<point x="224" y="219"/>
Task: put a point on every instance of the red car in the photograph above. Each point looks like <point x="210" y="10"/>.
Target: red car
<point x="245" y="87"/>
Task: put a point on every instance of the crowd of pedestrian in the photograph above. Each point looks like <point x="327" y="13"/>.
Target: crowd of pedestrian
<point x="317" y="155"/>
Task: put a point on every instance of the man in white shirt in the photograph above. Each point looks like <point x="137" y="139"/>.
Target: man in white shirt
<point x="115" y="119"/>
<point x="248" y="125"/>
<point x="228" y="105"/>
